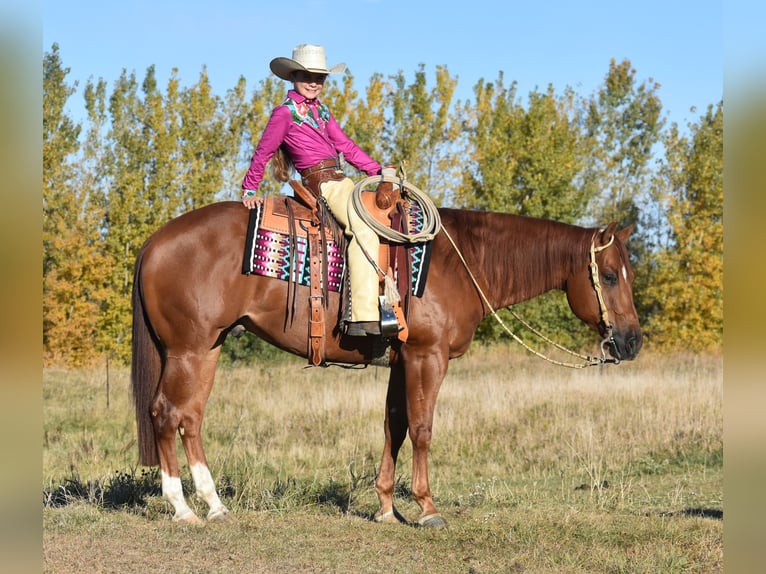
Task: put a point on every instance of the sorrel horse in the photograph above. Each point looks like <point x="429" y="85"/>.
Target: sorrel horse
<point x="189" y="293"/>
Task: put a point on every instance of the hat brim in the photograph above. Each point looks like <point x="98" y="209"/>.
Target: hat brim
<point x="283" y="67"/>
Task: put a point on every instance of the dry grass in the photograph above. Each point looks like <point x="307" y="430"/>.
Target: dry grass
<point x="536" y="467"/>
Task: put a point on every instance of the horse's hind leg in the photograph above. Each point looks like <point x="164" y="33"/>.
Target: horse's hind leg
<point x="179" y="406"/>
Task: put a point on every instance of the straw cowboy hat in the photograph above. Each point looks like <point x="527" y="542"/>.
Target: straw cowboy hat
<point x="307" y="58"/>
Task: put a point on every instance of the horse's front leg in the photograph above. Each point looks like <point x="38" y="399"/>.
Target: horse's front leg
<point x="424" y="373"/>
<point x="395" y="429"/>
<point x="424" y="376"/>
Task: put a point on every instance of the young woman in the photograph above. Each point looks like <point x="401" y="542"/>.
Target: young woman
<point x="302" y="133"/>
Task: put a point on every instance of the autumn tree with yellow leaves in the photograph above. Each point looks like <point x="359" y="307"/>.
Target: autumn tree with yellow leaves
<point x="683" y="282"/>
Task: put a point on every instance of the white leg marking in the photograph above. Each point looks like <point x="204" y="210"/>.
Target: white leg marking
<point x="203" y="482"/>
<point x="173" y="493"/>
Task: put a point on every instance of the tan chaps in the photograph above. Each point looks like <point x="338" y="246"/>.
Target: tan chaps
<point x="364" y="277"/>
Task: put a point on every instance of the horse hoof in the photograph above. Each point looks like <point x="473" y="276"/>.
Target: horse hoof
<point x="386" y="517"/>
<point x="190" y="519"/>
<point x="432" y="521"/>
<point x="221" y="515"/>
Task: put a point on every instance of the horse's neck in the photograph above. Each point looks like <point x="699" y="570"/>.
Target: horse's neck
<point x="527" y="257"/>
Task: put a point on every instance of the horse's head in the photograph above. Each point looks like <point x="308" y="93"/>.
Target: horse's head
<point x="601" y="293"/>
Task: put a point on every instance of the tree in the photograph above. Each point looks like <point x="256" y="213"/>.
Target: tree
<point x="208" y="139"/>
<point x="420" y="131"/>
<point x="72" y="261"/>
<point x="624" y="117"/>
<point x="529" y="162"/>
<point x="363" y="121"/>
<point x="685" y="287"/>
<point x="269" y="94"/>
<point x="235" y="107"/>
<point x="526" y="161"/>
<point x="131" y="197"/>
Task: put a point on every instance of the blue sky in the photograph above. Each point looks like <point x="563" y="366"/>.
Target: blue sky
<point x="563" y="43"/>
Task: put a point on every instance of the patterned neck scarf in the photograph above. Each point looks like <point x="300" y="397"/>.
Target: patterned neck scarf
<point x="302" y="113"/>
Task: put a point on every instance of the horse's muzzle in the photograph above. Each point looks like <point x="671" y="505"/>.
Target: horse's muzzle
<point x="625" y="346"/>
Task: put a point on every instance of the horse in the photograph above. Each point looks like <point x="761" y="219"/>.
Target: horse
<point x="189" y="293"/>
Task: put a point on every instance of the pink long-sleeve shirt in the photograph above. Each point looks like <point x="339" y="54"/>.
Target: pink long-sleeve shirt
<point x="310" y="134"/>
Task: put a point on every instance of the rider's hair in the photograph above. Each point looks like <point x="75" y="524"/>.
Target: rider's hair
<point x="282" y="164"/>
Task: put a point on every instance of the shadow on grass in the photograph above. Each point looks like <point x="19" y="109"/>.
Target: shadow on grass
<point x="131" y="489"/>
<point x="124" y="489"/>
<point x="698" y="512"/>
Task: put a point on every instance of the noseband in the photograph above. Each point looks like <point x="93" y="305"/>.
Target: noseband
<point x="608" y="337"/>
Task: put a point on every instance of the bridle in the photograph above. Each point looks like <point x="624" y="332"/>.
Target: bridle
<point x="603" y="312"/>
<point x="608" y="338"/>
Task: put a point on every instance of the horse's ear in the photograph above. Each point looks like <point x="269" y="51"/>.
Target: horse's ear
<point x="623" y="234"/>
<point x="606" y="235"/>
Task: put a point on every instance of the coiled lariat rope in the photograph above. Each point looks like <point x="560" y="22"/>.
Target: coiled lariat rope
<point x="431" y="222"/>
<point x="589" y="361"/>
<point x="431" y="219"/>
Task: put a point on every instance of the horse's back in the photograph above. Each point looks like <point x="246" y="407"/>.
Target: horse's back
<point x="204" y="221"/>
<point x="195" y="260"/>
<point x="198" y="236"/>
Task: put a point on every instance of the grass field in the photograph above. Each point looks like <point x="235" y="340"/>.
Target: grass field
<point x="536" y="468"/>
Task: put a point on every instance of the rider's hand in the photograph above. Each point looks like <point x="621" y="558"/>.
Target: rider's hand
<point x="251" y="201"/>
<point x="388" y="171"/>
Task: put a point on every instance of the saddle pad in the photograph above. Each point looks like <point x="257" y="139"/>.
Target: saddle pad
<point x="419" y="253"/>
<point x="267" y="253"/>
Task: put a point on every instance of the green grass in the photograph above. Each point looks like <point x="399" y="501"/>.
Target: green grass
<point x="536" y="468"/>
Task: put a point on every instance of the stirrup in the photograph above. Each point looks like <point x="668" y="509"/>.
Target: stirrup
<point x="389" y="324"/>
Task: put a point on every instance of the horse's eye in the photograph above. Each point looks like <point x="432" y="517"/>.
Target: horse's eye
<point x="610" y="278"/>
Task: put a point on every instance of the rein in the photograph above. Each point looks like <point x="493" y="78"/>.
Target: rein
<point x="589" y="361"/>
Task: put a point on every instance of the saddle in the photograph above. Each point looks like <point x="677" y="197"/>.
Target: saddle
<point x="314" y="243"/>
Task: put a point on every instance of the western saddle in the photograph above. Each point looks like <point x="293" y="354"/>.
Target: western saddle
<point x="385" y="205"/>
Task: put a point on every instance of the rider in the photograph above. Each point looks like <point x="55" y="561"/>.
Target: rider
<point x="302" y="132"/>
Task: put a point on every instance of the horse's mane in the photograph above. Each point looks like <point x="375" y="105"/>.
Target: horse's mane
<point x="529" y="253"/>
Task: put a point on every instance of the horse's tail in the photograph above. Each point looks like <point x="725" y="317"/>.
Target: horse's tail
<point x="145" y="371"/>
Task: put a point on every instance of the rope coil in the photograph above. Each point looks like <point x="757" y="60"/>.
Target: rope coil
<point x="431" y="218"/>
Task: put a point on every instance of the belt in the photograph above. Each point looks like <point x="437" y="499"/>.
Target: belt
<point x="313" y="177"/>
<point x="331" y="163"/>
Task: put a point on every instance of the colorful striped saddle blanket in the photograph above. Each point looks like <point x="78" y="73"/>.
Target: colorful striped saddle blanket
<point x="270" y="250"/>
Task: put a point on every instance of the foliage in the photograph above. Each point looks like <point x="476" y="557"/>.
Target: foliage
<point x="624" y="118"/>
<point x="550" y="316"/>
<point x="248" y="349"/>
<point x="146" y="154"/>
<point x="527" y="160"/>
<point x="420" y="131"/>
<point x="253" y="116"/>
<point x="685" y="282"/>
<point x="74" y="265"/>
